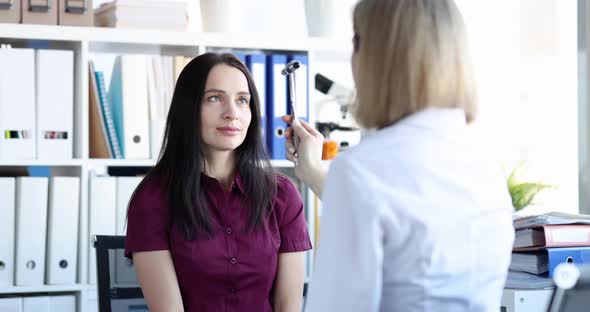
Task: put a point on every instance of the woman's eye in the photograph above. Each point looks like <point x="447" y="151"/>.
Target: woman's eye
<point x="243" y="101"/>
<point x="214" y="98"/>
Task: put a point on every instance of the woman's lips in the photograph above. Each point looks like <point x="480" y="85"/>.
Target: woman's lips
<point x="230" y="131"/>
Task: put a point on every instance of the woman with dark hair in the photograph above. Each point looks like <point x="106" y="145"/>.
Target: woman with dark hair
<point x="212" y="227"/>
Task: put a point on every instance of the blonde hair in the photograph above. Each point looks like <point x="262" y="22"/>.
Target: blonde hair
<point x="411" y="55"/>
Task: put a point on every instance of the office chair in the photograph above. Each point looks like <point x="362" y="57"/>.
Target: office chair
<point x="118" y="288"/>
<point x="573" y="289"/>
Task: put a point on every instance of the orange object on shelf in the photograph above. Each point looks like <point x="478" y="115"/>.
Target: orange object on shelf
<point x="330" y="150"/>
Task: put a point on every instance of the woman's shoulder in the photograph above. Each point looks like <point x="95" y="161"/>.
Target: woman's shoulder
<point x="287" y="193"/>
<point x="150" y="194"/>
<point x="286" y="185"/>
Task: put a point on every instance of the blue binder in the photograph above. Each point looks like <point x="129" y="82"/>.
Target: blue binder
<point x="241" y="56"/>
<point x="257" y="66"/>
<point x="576" y="255"/>
<point x="276" y="105"/>
<point x="105" y="105"/>
<point x="301" y="87"/>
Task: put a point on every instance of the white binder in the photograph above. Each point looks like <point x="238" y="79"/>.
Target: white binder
<point x="7" y="214"/>
<point x="17" y="104"/>
<point x="129" y="95"/>
<point x="62" y="230"/>
<point x="102" y="205"/>
<point x="31" y="226"/>
<point x="65" y="303"/>
<point x="54" y="71"/>
<point x="11" y="304"/>
<point x="36" y="304"/>
<point x="124" y="271"/>
<point x="125" y="188"/>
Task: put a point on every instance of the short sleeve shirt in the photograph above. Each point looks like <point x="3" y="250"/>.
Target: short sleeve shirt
<point x="235" y="269"/>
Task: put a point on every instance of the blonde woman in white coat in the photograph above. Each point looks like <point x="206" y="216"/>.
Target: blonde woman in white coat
<point x="414" y="218"/>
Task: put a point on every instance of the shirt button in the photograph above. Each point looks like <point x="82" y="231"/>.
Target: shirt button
<point x="228" y="230"/>
<point x="233" y="261"/>
<point x="233" y="290"/>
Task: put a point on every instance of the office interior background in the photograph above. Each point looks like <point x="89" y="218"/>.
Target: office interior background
<point x="530" y="56"/>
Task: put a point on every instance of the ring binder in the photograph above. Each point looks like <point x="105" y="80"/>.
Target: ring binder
<point x="75" y="13"/>
<point x="76" y="9"/>
<point x="39" y="7"/>
<point x="39" y="12"/>
<point x="6" y="5"/>
<point x="10" y="11"/>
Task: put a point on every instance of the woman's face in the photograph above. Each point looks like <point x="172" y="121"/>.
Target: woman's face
<point x="225" y="109"/>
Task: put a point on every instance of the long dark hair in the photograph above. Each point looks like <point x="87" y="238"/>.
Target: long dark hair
<point x="182" y="159"/>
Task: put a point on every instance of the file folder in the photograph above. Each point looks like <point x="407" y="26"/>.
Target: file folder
<point x="129" y="96"/>
<point x="7" y="227"/>
<point x="75" y="13"/>
<point x="39" y="12"/>
<point x="559" y="235"/>
<point x="546" y="260"/>
<point x="36" y="304"/>
<point x="62" y="230"/>
<point x="257" y="66"/>
<point x="124" y="272"/>
<point x="10" y="11"/>
<point x="301" y="87"/>
<point x="11" y="304"/>
<point x="576" y="255"/>
<point x="102" y="205"/>
<point x="113" y="140"/>
<point x="241" y="57"/>
<point x="66" y="303"/>
<point x="55" y="103"/>
<point x="31" y="229"/>
<point x="125" y="188"/>
<point x="276" y="105"/>
<point x="17" y="122"/>
<point x="99" y="138"/>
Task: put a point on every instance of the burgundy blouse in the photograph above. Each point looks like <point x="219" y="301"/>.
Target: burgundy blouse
<point x="235" y="269"/>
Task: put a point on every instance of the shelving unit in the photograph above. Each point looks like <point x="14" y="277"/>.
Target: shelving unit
<point x="43" y="289"/>
<point x="85" y="41"/>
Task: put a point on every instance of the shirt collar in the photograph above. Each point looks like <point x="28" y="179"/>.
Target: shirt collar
<point x="439" y="119"/>
<point x="237" y="182"/>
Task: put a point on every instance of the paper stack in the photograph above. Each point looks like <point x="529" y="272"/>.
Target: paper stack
<point x="542" y="242"/>
<point x="171" y="15"/>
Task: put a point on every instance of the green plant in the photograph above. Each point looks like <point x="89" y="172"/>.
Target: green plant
<point x="523" y="192"/>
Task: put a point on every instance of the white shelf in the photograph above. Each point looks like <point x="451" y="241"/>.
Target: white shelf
<point x="98" y="34"/>
<point x="150" y="162"/>
<point x="120" y="162"/>
<point x="105" y="162"/>
<point x="42" y="289"/>
<point x="169" y="38"/>
<point x="259" y="42"/>
<point x="330" y="45"/>
<point x="36" y="162"/>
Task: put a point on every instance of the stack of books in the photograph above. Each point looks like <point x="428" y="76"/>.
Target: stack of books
<point x="169" y="15"/>
<point x="542" y="242"/>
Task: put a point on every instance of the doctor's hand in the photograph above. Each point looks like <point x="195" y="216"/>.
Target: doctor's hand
<point x="308" y="156"/>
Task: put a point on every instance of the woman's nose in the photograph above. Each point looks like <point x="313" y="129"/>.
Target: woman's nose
<point x="230" y="113"/>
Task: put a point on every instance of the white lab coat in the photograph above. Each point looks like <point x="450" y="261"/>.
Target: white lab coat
<point x="414" y="219"/>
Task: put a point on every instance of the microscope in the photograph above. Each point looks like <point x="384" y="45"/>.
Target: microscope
<point x="343" y="97"/>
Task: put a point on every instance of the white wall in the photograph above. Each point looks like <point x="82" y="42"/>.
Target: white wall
<point x="525" y="56"/>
